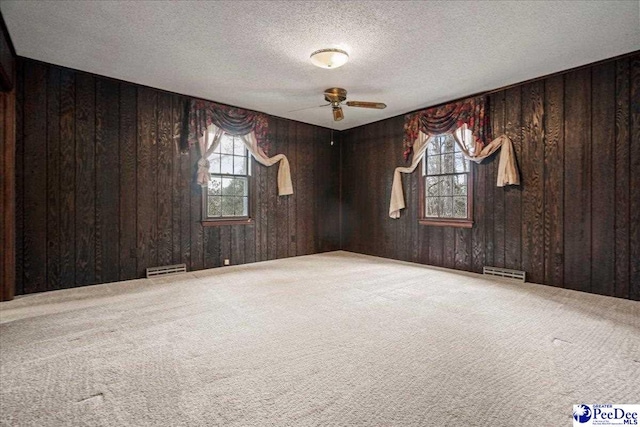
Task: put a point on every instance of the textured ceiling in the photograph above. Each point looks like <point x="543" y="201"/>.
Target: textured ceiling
<point x="256" y="54"/>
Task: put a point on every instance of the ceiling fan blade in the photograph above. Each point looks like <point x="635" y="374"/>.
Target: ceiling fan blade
<point x="362" y="104"/>
<point x="308" y="108"/>
<point x="337" y="114"/>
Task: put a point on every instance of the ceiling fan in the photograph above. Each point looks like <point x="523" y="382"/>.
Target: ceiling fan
<point x="335" y="96"/>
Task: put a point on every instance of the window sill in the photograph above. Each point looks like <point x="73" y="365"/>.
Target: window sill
<point x="226" y="221"/>
<point x="460" y="223"/>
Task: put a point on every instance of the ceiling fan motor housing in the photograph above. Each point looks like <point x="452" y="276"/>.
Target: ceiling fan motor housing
<point x="335" y="95"/>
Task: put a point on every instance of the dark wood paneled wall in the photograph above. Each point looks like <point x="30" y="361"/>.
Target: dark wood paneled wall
<point x="575" y="220"/>
<point x="103" y="192"/>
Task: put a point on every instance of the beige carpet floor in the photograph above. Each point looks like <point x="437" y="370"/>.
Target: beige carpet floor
<point x="335" y="339"/>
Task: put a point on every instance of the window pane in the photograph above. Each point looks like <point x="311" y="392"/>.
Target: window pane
<point x="215" y="185"/>
<point x="460" y="207"/>
<point x="238" y="147"/>
<point x="432" y="206"/>
<point x="237" y="205"/>
<point x="445" y="186"/>
<point x="433" y="186"/>
<point x="433" y="165"/>
<point x="226" y="166"/>
<point x="459" y="185"/>
<point x="235" y="187"/>
<point x="244" y="183"/>
<point x="227" y="186"/>
<point x="433" y="147"/>
<point x="462" y="164"/>
<point x="226" y="145"/>
<point x="214" y="206"/>
<point x="447" y="207"/>
<point x="239" y="165"/>
<point x="449" y="144"/>
<point x="245" y="206"/>
<point x="214" y="163"/>
<point x="227" y="206"/>
<point x="447" y="163"/>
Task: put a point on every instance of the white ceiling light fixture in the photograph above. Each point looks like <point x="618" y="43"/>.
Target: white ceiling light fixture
<point x="329" y="58"/>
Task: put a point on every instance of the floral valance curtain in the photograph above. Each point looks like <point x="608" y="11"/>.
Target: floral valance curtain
<point x="468" y="122"/>
<point x="232" y="121"/>
<point x="446" y="119"/>
<point x="208" y="122"/>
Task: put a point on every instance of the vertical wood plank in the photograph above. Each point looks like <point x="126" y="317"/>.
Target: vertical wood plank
<point x="187" y="178"/>
<point x="489" y="184"/>
<point x="323" y="200"/>
<point x="251" y="230"/>
<point x="498" y="126"/>
<point x="225" y="243"/>
<point x="147" y="200"/>
<point x="313" y="194"/>
<point x="281" y="132"/>
<point x="262" y="206"/>
<point x="532" y="171"/>
<point x="333" y="180"/>
<point x="4" y="184"/>
<point x="35" y="178"/>
<point x="603" y="166"/>
<point x="402" y="235"/>
<point x="164" y="179"/>
<point x="237" y="244"/>
<point x="384" y="165"/>
<point x="107" y="181"/>
<point x="437" y="243"/>
<point x="319" y="203"/>
<point x="19" y="188"/>
<point x="197" y="240"/>
<point x="292" y="155"/>
<point x="512" y="194"/>
<point x="85" y="180"/>
<point x="177" y="106"/>
<point x="212" y="257"/>
<point x="577" y="180"/>
<point x="378" y="144"/>
<point x="463" y="249"/>
<point x="413" y="215"/>
<point x="5" y="212"/>
<point x="250" y="243"/>
<point x="622" y="179"/>
<point x="53" y="178"/>
<point x="478" y="232"/>
<point x="634" y="184"/>
<point x="350" y="196"/>
<point x="346" y="178"/>
<point x="447" y="246"/>
<point x="305" y="140"/>
<point x="7" y="194"/>
<point x="554" y="182"/>
<point x="67" y="179"/>
<point x="128" y="190"/>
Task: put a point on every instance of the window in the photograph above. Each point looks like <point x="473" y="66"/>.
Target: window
<point x="227" y="196"/>
<point x="447" y="184"/>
